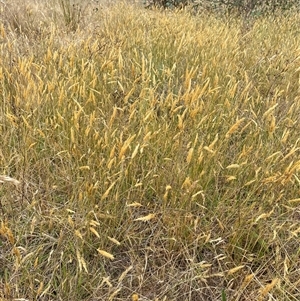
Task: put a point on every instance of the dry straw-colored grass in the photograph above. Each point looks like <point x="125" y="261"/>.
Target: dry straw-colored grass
<point x="156" y="155"/>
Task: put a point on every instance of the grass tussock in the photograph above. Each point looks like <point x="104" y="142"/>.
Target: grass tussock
<point x="148" y="155"/>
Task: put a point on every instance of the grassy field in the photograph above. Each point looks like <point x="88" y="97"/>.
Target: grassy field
<point x="148" y="155"/>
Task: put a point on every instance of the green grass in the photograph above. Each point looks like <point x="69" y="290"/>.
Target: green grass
<point x="148" y="152"/>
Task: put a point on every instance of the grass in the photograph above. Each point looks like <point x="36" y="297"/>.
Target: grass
<point x="148" y="155"/>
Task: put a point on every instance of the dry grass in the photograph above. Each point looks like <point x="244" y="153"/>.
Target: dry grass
<point x="149" y="153"/>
